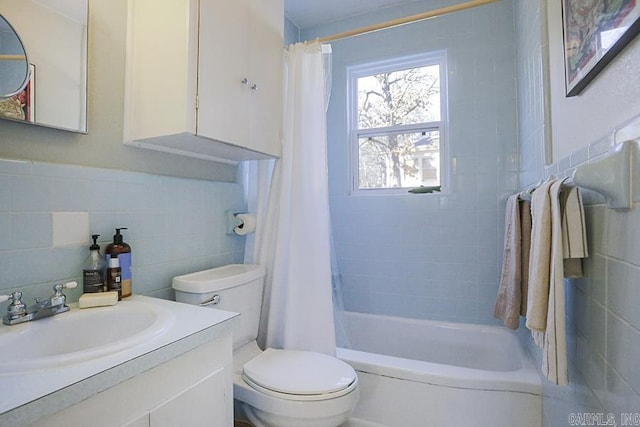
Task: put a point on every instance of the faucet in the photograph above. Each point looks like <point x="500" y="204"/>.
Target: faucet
<point x="18" y="312"/>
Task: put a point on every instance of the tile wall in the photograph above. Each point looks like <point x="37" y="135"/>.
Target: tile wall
<point x="603" y="321"/>
<point x="432" y="256"/>
<point x="533" y="124"/>
<point x="174" y="225"/>
<point x="603" y="325"/>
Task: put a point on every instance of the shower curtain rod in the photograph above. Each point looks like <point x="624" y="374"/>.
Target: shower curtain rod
<point x="401" y="21"/>
<point x="13" y="57"/>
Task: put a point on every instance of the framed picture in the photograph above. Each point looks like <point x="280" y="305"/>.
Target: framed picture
<point x="22" y="105"/>
<point x="30" y="95"/>
<point x="594" y="32"/>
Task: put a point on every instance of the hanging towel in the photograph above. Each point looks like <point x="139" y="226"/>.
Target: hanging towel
<point x="539" y="259"/>
<point x="507" y="307"/>
<point x="525" y="243"/>
<point x="554" y="350"/>
<point x="574" y="235"/>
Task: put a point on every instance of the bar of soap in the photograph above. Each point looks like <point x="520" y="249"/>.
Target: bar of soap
<point x="98" y="299"/>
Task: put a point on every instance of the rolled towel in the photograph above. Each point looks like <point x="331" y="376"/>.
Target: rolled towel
<point x="507" y="307"/>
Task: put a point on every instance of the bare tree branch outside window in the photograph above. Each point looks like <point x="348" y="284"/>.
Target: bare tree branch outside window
<point x="389" y="101"/>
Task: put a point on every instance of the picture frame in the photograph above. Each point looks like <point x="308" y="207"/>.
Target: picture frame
<point x="21" y="106"/>
<point x="30" y="95"/>
<point x="595" y="31"/>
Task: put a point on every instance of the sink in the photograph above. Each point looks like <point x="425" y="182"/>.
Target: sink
<point x="80" y="335"/>
<point x="71" y="356"/>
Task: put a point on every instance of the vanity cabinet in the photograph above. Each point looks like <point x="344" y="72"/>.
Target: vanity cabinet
<point x="204" y="77"/>
<point x="192" y="390"/>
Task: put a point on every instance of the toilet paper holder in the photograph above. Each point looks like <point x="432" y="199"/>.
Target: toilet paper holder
<point x="234" y="222"/>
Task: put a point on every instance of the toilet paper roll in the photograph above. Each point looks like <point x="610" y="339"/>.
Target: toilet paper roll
<point x="248" y="224"/>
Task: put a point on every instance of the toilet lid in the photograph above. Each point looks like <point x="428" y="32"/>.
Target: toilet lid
<point x="299" y="372"/>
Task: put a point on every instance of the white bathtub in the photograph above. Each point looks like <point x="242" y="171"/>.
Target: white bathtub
<point x="427" y="373"/>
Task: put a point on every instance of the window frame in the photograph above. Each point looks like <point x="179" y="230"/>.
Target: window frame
<point x="388" y="65"/>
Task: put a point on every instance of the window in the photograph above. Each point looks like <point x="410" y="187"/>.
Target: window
<point x="397" y="120"/>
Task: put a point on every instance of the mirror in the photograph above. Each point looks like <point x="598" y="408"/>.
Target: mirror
<point x="53" y="35"/>
<point x="14" y="69"/>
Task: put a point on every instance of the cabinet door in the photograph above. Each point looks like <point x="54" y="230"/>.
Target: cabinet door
<point x="223" y="66"/>
<point x="160" y="82"/>
<point x="192" y="390"/>
<point x="207" y="403"/>
<point x="266" y="65"/>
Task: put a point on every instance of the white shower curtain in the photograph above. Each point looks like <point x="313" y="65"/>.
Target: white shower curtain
<point x="294" y="239"/>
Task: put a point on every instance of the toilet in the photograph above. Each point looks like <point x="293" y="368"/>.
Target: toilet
<point x="274" y="388"/>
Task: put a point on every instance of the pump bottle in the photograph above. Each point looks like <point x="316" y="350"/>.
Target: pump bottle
<point x="93" y="272"/>
<point x="114" y="281"/>
<point x="123" y="252"/>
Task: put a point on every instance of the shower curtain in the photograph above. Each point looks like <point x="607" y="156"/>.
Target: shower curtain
<point x="293" y="242"/>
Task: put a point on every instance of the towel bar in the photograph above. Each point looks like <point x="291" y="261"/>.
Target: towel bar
<point x="611" y="176"/>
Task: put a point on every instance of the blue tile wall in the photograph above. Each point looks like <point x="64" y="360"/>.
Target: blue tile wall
<point x="603" y="325"/>
<point x="432" y="256"/>
<point x="532" y="127"/>
<point x="174" y="225"/>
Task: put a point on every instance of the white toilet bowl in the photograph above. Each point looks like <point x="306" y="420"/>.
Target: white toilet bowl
<point x="283" y="388"/>
<point x="277" y="388"/>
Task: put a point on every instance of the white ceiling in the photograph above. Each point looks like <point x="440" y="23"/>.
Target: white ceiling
<point x="310" y="13"/>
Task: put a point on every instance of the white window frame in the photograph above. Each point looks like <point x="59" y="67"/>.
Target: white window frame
<point x="401" y="63"/>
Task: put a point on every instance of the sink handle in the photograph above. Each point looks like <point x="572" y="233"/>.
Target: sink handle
<point x="17" y="308"/>
<point x="58" y="297"/>
<point x="60" y="286"/>
<point x="14" y="296"/>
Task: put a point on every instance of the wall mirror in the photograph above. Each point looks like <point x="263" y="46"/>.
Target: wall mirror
<point x="14" y="67"/>
<point x="53" y="36"/>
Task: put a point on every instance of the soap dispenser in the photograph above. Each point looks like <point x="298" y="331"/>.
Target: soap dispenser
<point x="114" y="276"/>
<point x="93" y="272"/>
<point x="123" y="252"/>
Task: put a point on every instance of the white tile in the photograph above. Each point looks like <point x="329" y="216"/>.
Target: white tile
<point x="70" y="228"/>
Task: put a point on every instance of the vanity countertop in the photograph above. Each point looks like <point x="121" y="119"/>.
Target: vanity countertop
<point x="28" y="396"/>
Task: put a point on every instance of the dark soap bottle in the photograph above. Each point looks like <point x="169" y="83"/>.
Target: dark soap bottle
<point x="93" y="272"/>
<point x="123" y="251"/>
<point x="114" y="278"/>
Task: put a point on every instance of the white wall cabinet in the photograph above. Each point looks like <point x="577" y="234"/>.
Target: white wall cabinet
<point x="204" y="77"/>
<point x="193" y="390"/>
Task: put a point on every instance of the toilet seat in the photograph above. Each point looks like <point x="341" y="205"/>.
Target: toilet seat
<point x="299" y="375"/>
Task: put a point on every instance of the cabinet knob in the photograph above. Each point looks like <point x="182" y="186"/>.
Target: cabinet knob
<point x="245" y="81"/>
<point x="254" y="87"/>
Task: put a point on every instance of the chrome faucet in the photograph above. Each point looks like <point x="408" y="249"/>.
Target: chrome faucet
<point x="18" y="312"/>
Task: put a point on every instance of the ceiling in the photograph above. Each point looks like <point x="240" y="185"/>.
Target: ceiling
<point x="310" y="13"/>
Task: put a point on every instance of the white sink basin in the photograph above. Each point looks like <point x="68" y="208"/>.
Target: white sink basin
<point x="80" y="335"/>
<point x="74" y="355"/>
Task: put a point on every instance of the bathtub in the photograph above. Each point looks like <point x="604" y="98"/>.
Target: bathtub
<point x="428" y="373"/>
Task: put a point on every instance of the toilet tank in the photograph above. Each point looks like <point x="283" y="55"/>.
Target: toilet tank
<point x="234" y="287"/>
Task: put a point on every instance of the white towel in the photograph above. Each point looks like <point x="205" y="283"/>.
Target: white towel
<point x="574" y="235"/>
<point x="554" y="357"/>
<point x="539" y="259"/>
<point x="509" y="300"/>
<point x="558" y="242"/>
